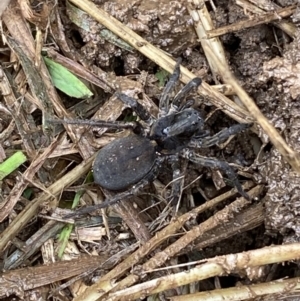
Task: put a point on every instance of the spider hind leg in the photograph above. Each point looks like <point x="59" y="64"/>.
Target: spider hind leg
<point x="203" y="142"/>
<point x="215" y="163"/>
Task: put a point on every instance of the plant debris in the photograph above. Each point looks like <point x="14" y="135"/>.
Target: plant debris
<point x="214" y="243"/>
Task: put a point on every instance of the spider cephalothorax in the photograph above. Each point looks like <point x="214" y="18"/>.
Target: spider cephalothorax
<point x="127" y="164"/>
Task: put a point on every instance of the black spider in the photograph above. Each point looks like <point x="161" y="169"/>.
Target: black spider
<point x="128" y="164"/>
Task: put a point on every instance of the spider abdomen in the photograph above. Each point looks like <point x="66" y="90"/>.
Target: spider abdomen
<point x="124" y="162"/>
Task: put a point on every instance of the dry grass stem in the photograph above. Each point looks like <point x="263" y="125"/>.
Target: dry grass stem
<point x="274" y="290"/>
<point x="217" y="266"/>
<point x="288" y="27"/>
<point x="202" y="24"/>
<point x="257" y="20"/>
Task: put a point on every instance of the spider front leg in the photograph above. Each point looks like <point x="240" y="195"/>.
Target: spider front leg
<point x="214" y="163"/>
<point x="164" y="102"/>
<point x="164" y="99"/>
<point x="219" y="137"/>
<point x="192" y="84"/>
<point x="97" y="123"/>
<point x="140" y="110"/>
<point x="166" y="94"/>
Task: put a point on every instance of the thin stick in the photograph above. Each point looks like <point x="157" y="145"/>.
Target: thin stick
<point x="257" y="20"/>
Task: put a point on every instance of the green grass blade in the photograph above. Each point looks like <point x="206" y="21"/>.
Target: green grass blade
<point x="66" y="81"/>
<point x="11" y="164"/>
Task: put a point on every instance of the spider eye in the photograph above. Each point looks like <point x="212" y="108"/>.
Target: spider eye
<point x="166" y="130"/>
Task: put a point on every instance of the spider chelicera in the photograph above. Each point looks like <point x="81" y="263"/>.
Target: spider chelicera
<point x="128" y="164"/>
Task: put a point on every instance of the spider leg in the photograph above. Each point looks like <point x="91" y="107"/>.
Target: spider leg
<point x="219" y="137"/>
<point x="188" y="104"/>
<point x="140" y="110"/>
<point x="166" y="94"/>
<point x="129" y="101"/>
<point x="193" y="84"/>
<point x="177" y="180"/>
<point x="97" y="123"/>
<point x="134" y="190"/>
<point x="214" y="163"/>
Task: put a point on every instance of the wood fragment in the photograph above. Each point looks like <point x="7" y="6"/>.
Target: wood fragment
<point x="18" y="281"/>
